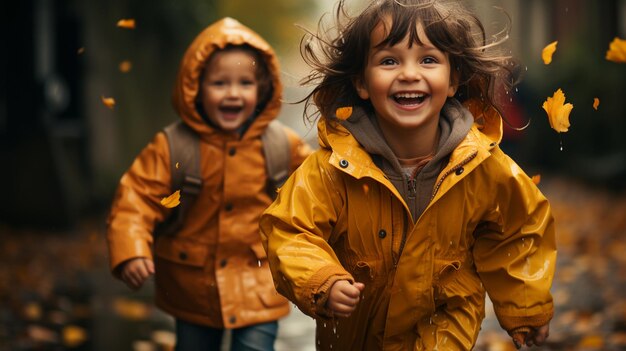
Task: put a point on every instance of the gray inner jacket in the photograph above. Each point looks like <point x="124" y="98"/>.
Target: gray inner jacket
<point x="454" y="123"/>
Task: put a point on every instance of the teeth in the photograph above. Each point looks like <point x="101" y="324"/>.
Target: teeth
<point x="409" y="95"/>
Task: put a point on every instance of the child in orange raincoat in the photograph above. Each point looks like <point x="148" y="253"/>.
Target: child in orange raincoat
<point x="212" y="274"/>
<point x="392" y="233"/>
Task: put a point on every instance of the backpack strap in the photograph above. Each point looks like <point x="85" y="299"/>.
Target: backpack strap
<point x="277" y="153"/>
<point x="184" y="145"/>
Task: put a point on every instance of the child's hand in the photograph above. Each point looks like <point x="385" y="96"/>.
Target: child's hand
<point x="135" y="271"/>
<point x="343" y="297"/>
<point x="530" y="336"/>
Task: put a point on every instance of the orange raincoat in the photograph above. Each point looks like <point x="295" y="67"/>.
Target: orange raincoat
<point x="214" y="271"/>
<point x="487" y="228"/>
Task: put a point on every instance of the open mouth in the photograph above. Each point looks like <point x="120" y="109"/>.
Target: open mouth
<point x="409" y="99"/>
<point x="230" y="109"/>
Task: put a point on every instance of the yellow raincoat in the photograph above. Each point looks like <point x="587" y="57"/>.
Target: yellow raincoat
<point x="214" y="271"/>
<point x="486" y="228"/>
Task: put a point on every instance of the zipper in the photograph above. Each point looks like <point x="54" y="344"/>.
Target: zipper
<point x="453" y="169"/>
<point x="412" y="184"/>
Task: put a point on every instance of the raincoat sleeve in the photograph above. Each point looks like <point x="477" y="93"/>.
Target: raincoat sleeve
<point x="515" y="250"/>
<point x="295" y="231"/>
<point x="136" y="206"/>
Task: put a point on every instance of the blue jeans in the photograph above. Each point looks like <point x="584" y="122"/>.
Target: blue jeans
<point x="193" y="337"/>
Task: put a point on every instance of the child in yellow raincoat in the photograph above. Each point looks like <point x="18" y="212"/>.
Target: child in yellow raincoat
<point x="392" y="233"/>
<point x="212" y="274"/>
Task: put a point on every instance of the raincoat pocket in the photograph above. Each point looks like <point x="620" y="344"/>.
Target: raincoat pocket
<point x="271" y="298"/>
<point x="181" y="251"/>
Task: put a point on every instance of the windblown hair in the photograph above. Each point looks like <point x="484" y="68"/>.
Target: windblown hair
<point x="338" y="61"/>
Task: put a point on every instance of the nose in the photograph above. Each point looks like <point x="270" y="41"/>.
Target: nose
<point x="411" y="72"/>
<point x="234" y="90"/>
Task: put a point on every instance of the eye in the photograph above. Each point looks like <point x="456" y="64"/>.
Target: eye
<point x="388" y="61"/>
<point x="248" y="82"/>
<point x="429" y="60"/>
<point x="217" y="83"/>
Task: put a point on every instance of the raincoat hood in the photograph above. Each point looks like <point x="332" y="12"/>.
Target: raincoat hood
<point x="226" y="31"/>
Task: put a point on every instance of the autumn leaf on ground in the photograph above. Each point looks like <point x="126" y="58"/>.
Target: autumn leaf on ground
<point x="80" y="51"/>
<point x="558" y="111"/>
<point x="172" y="200"/>
<point x="596" y="103"/>
<point x="131" y="309"/>
<point x="617" y="51"/>
<point x="74" y="335"/>
<point x="536" y="179"/>
<point x="126" y="23"/>
<point x="548" y="51"/>
<point x="125" y="66"/>
<point x="108" y="102"/>
<point x="344" y="113"/>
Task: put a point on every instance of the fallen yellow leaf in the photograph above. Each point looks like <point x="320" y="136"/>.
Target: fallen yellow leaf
<point x="344" y="113"/>
<point x="74" y="335"/>
<point x="558" y="112"/>
<point x="177" y="165"/>
<point x="125" y="66"/>
<point x="596" y="103"/>
<point x="536" y="179"/>
<point x="548" y="51"/>
<point x="126" y="23"/>
<point x="172" y="200"/>
<point x="108" y="102"/>
<point x="130" y="309"/>
<point x="617" y="51"/>
<point x="80" y="51"/>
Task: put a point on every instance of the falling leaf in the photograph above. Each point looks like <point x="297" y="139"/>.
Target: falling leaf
<point x="172" y="200"/>
<point x="74" y="335"/>
<point x="80" y="51"/>
<point x="536" y="179"/>
<point x="125" y="66"/>
<point x="344" y="113"/>
<point x="548" y="51"/>
<point x="108" y="102"/>
<point x="126" y="23"/>
<point x="558" y="112"/>
<point x="596" y="103"/>
<point x="617" y="51"/>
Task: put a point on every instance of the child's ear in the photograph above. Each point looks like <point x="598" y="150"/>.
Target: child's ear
<point x="454" y="83"/>
<point x="361" y="90"/>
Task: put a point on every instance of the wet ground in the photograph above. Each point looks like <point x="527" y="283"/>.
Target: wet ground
<point x="57" y="294"/>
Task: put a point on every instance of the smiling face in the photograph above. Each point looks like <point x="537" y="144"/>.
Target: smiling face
<point x="229" y="88"/>
<point x="407" y="83"/>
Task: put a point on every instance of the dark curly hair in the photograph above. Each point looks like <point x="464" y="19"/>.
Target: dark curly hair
<point x="338" y="55"/>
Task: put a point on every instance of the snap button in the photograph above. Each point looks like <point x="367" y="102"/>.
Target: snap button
<point x="232" y="151"/>
<point x="223" y="263"/>
<point x="459" y="171"/>
<point x="232" y="319"/>
<point x="492" y="144"/>
<point x="343" y="163"/>
<point x="382" y="233"/>
<point x="228" y="207"/>
<point x="182" y="255"/>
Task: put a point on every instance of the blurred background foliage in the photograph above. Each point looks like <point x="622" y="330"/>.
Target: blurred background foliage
<point x="63" y="151"/>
